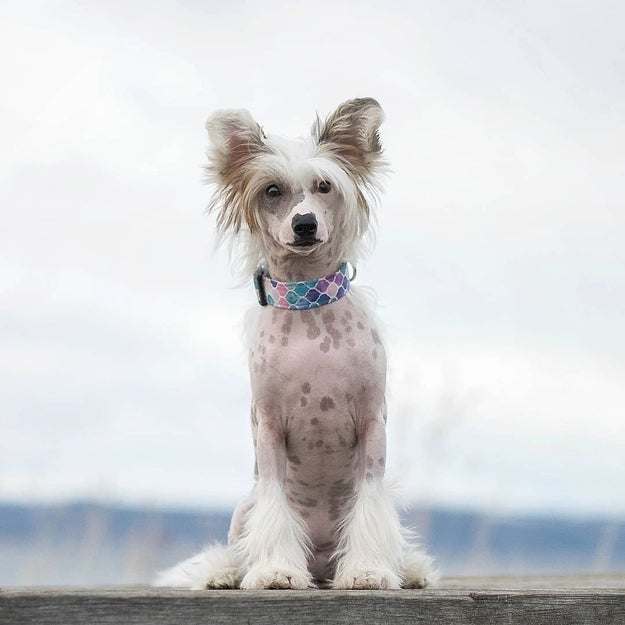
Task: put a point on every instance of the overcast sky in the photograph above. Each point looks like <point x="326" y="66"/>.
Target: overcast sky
<point x="499" y="265"/>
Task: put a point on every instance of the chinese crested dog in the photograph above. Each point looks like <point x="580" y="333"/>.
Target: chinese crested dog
<point x="320" y="512"/>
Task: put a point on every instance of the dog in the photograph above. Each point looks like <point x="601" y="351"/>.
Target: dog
<point x="320" y="513"/>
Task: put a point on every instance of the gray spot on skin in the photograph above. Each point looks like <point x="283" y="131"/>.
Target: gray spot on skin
<point x="314" y="421"/>
<point x="328" y="448"/>
<point x="338" y="495"/>
<point x="298" y="198"/>
<point x="325" y="345"/>
<point x="303" y="401"/>
<point x="272" y="338"/>
<point x="308" y="502"/>
<point x="284" y="341"/>
<point x="369" y="477"/>
<point x="341" y="488"/>
<point x="369" y="462"/>
<point x="328" y="319"/>
<point x="262" y="333"/>
<point x="327" y="403"/>
<point x="306" y="388"/>
<point x="319" y="443"/>
<point x="360" y="326"/>
<point x="313" y="332"/>
<point x="376" y="338"/>
<point x="294" y="460"/>
<point x="287" y="325"/>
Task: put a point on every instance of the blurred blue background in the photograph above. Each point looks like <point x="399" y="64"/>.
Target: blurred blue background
<point x="124" y="437"/>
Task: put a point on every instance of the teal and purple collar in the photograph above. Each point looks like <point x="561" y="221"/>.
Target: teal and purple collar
<point x="305" y="294"/>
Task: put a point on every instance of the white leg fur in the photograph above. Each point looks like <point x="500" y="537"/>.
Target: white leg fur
<point x="375" y="551"/>
<point x="274" y="546"/>
<point x="216" y="567"/>
<point x="371" y="542"/>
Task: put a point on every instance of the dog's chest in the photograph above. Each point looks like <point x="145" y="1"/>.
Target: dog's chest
<point x="317" y="368"/>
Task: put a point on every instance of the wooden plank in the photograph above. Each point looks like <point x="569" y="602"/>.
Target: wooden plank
<point x="459" y="601"/>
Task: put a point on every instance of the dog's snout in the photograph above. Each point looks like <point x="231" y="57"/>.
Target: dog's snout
<point x="304" y="225"/>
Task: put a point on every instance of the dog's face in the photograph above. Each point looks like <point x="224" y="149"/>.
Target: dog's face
<point x="301" y="196"/>
<point x="299" y="216"/>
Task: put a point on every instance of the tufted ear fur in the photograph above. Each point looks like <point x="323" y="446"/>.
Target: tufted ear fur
<point x="350" y="135"/>
<point x="235" y="141"/>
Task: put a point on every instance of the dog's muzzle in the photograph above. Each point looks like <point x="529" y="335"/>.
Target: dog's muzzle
<point x="305" y="229"/>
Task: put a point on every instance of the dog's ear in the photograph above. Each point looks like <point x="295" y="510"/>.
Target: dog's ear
<point x="351" y="135"/>
<point x="235" y="140"/>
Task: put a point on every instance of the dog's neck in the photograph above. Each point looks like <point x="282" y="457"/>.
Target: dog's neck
<point x="294" y="269"/>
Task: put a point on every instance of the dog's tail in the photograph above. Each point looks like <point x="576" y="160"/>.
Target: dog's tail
<point x="217" y="566"/>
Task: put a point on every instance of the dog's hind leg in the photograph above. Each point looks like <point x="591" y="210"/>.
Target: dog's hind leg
<point x="217" y="566"/>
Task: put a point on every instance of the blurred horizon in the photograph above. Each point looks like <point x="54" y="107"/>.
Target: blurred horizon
<point x="57" y="545"/>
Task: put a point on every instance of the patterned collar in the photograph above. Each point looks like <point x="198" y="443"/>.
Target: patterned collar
<point x="305" y="294"/>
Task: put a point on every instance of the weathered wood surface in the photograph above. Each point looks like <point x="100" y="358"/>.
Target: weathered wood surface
<point x="458" y="601"/>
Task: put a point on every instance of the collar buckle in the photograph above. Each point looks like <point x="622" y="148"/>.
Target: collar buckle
<point x="259" y="274"/>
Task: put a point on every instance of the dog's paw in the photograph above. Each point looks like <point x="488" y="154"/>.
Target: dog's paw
<point x="276" y="579"/>
<point x="224" y="580"/>
<point x="419" y="570"/>
<point x="367" y="579"/>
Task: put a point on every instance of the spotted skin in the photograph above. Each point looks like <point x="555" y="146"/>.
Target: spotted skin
<point x="321" y="420"/>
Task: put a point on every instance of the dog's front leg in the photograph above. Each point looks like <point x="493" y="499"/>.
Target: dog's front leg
<point x="369" y="554"/>
<point x="274" y="544"/>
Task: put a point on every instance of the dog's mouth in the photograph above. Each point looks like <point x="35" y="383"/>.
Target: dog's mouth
<point x="305" y="242"/>
<point x="303" y="247"/>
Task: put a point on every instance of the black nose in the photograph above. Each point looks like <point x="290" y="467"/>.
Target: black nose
<point x="304" y="225"/>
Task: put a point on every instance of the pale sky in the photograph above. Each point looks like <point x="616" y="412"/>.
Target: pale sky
<point x="499" y="265"/>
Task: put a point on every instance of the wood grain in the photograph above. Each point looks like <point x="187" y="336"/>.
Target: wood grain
<point x="459" y="601"/>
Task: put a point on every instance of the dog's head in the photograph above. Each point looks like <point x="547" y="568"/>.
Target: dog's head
<point x="297" y="196"/>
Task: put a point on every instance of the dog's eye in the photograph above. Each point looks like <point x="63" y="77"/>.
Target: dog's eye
<point x="273" y="191"/>
<point x="324" y="186"/>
